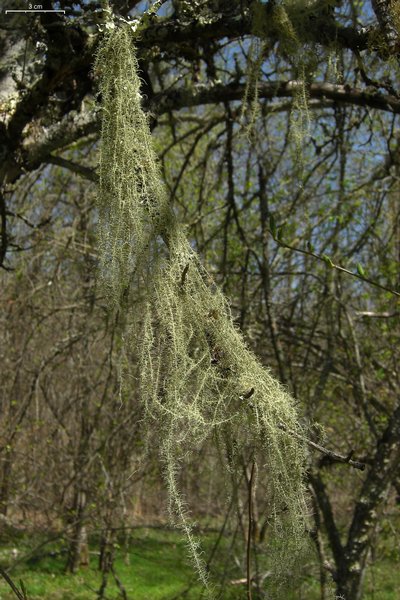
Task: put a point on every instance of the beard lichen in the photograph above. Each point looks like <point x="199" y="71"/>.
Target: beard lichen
<point x="197" y="379"/>
<point x="281" y="23"/>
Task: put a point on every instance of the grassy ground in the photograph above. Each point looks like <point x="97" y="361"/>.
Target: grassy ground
<point x="153" y="567"/>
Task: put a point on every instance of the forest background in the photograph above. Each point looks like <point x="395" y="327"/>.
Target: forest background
<point x="276" y="128"/>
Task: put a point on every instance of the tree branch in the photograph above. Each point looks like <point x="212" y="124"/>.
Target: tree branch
<point x="3" y="230"/>
<point x="329" y="519"/>
<point x="80" y="124"/>
<point x="334" y="456"/>
<point x="185" y="98"/>
<point x="326" y="259"/>
<point x="383" y="11"/>
<point x="385" y="463"/>
<point x="86" y="172"/>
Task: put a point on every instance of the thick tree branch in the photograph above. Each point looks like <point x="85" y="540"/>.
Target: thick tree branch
<point x="176" y="99"/>
<point x="384" y="13"/>
<point x="163" y="34"/>
<point x="329" y="519"/>
<point x="76" y="125"/>
<point x="85" y="172"/>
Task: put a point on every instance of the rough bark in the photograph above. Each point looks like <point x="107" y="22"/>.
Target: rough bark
<point x="385" y="13"/>
<point x="350" y="558"/>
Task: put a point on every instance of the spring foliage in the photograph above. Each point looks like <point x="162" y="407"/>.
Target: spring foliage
<point x="198" y="380"/>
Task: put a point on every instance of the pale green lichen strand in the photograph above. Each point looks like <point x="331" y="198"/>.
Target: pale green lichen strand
<point x="194" y="369"/>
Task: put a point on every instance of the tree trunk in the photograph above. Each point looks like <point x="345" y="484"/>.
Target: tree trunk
<point x="5" y="483"/>
<point x="351" y="558"/>
<point x="349" y="583"/>
<point x="78" y="552"/>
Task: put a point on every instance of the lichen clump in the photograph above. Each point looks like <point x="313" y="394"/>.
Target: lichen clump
<point x="282" y="23"/>
<point x="195" y="375"/>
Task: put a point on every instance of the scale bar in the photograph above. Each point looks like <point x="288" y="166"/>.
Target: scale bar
<point x="35" y="11"/>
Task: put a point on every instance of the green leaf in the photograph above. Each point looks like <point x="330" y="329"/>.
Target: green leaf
<point x="281" y="231"/>
<point x="328" y="260"/>
<point x="360" y="270"/>
<point x="272" y="225"/>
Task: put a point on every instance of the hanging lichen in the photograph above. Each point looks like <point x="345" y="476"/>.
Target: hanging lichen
<point x="195" y="375"/>
<point x="281" y="23"/>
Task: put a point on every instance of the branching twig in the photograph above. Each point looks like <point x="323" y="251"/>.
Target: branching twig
<point x="324" y="258"/>
<point x="21" y="594"/>
<point x="333" y="455"/>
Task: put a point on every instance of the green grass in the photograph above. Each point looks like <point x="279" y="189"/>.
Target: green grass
<point x="155" y="567"/>
<point x="383" y="581"/>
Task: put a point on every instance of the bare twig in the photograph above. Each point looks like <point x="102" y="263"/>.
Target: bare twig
<point x="183" y="276"/>
<point x="376" y="315"/>
<point x="249" y="532"/>
<point x="21" y="594"/>
<point x="3" y="231"/>
<point x="332" y="455"/>
<point x="324" y="258"/>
